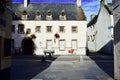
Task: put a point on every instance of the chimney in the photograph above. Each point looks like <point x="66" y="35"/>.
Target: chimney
<point x="92" y="16"/>
<point x="78" y="2"/>
<point x="26" y="2"/>
<point x="105" y="2"/>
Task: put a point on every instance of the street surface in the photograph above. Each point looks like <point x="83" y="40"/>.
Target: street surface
<point x="72" y="67"/>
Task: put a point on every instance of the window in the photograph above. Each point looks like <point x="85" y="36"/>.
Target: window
<point x="28" y="31"/>
<point x="61" y="29"/>
<point x="13" y="29"/>
<point x="49" y="28"/>
<point x="74" y="44"/>
<point x="24" y="15"/>
<point x="49" y="44"/>
<point x="62" y="15"/>
<point x="74" y="29"/>
<point x="49" y="15"/>
<point x="38" y="16"/>
<point x="62" y="45"/>
<point x="37" y="29"/>
<point x="20" y="28"/>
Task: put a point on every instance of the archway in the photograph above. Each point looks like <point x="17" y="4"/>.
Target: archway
<point x="28" y="46"/>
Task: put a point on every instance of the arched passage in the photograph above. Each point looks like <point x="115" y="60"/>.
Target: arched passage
<point x="28" y="45"/>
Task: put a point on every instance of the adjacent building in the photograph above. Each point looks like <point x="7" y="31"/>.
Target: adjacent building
<point x="100" y="30"/>
<point x="5" y="39"/>
<point x="57" y="26"/>
<point x="116" y="15"/>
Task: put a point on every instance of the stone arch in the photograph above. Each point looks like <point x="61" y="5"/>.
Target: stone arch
<point x="28" y="46"/>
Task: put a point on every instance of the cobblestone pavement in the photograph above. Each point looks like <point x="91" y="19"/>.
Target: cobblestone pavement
<point x="62" y="68"/>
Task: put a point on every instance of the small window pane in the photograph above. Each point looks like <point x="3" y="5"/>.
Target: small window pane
<point x="74" y="29"/>
<point x="38" y="17"/>
<point x="74" y="44"/>
<point x="62" y="29"/>
<point x="24" y="17"/>
<point x="49" y="28"/>
<point x="37" y="29"/>
<point x="62" y="44"/>
<point x="21" y="28"/>
<point x="49" y="44"/>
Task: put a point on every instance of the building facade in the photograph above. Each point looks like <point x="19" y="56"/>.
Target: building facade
<point x="5" y="39"/>
<point x="116" y="11"/>
<point x="100" y="30"/>
<point x="57" y="26"/>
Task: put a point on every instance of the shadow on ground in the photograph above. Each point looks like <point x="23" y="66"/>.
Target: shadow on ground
<point x="108" y="61"/>
<point x="25" y="67"/>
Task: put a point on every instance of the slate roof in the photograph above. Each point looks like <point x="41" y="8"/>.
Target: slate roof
<point x="93" y="21"/>
<point x="71" y="10"/>
<point x="108" y="9"/>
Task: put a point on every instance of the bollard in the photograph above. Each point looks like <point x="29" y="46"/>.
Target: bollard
<point x="81" y="58"/>
<point x="43" y="59"/>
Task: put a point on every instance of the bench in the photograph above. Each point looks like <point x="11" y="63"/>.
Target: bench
<point x="50" y="52"/>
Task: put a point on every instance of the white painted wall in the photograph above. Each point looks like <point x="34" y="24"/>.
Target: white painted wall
<point x="103" y="36"/>
<point x="91" y="43"/>
<point x="43" y="36"/>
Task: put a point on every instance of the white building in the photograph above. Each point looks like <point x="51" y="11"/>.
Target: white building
<point x="100" y="30"/>
<point x="44" y="20"/>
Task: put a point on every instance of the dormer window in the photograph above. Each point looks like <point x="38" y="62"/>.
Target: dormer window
<point x="49" y="15"/>
<point x="62" y="15"/>
<point x="38" y="16"/>
<point x="24" y="15"/>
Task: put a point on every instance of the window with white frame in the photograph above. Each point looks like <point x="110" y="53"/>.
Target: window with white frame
<point x="21" y="28"/>
<point x="62" y="45"/>
<point x="49" y="29"/>
<point x="62" y="15"/>
<point x="62" y="29"/>
<point x="24" y="15"/>
<point x="38" y="16"/>
<point x="74" y="44"/>
<point x="49" y="15"/>
<point x="74" y="29"/>
<point x="49" y="44"/>
<point x="37" y="29"/>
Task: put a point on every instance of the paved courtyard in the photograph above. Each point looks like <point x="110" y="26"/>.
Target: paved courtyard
<point x="62" y="68"/>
